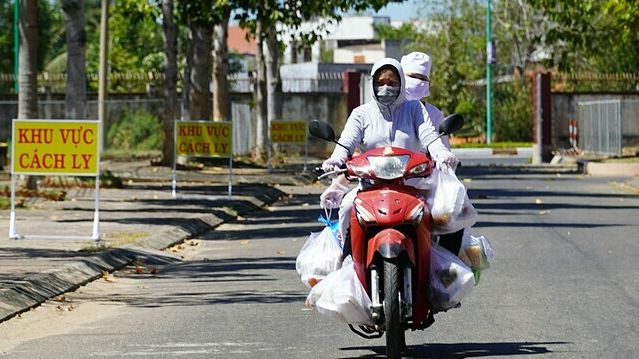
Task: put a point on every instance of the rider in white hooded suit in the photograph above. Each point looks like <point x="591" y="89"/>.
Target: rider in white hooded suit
<point x="388" y="119"/>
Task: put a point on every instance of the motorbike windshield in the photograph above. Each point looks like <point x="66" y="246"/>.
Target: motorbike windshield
<point x="389" y="167"/>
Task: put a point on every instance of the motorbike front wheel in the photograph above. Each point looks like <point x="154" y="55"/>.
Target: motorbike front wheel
<point x="395" y="340"/>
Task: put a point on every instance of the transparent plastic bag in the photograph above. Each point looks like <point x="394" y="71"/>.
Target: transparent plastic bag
<point x="465" y="218"/>
<point x="450" y="280"/>
<point x="476" y="252"/>
<point x="320" y="255"/>
<point x="341" y="296"/>
<point x="446" y="199"/>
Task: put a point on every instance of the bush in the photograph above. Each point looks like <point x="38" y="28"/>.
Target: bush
<point x="512" y="116"/>
<point x="136" y="130"/>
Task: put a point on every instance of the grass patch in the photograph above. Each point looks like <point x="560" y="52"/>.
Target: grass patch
<point x="622" y="160"/>
<point x="50" y="194"/>
<point x="5" y="202"/>
<point x="114" y="240"/>
<point x="107" y="180"/>
<point x="493" y="145"/>
<point x="127" y="155"/>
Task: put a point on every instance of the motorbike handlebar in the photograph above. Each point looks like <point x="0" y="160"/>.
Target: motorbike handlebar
<point x="335" y="173"/>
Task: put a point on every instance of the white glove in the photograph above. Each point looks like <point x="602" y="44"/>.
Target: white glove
<point x="332" y="196"/>
<point x="446" y="159"/>
<point x="331" y="164"/>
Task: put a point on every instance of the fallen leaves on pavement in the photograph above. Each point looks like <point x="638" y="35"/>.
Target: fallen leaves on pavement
<point x="108" y="277"/>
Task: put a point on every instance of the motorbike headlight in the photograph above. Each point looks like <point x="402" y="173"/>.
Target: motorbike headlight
<point x="389" y="167"/>
<point x="419" y="168"/>
<point x="360" y="171"/>
<point x="416" y="214"/>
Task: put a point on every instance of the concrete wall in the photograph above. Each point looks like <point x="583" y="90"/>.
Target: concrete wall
<point x="564" y="108"/>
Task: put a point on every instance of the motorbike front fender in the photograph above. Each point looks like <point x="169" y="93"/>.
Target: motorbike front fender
<point x="390" y="243"/>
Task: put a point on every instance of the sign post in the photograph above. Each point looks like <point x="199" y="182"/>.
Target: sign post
<point x="204" y="139"/>
<point x="293" y="132"/>
<point x="59" y="148"/>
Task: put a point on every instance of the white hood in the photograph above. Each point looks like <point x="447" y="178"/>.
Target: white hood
<point x="402" y="91"/>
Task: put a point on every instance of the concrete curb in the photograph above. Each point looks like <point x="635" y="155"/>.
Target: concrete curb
<point x="38" y="288"/>
<point x="609" y="169"/>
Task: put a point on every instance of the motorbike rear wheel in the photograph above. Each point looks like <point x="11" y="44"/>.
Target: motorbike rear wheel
<point x="395" y="339"/>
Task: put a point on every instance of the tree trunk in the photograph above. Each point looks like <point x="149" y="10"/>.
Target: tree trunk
<point x="28" y="67"/>
<point x="186" y="79"/>
<point x="169" y="32"/>
<point x="260" y="89"/>
<point x="201" y="102"/>
<point x="221" y="99"/>
<point x="273" y="83"/>
<point x="76" y="88"/>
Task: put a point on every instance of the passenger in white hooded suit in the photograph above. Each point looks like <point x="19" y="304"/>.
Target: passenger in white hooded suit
<point x="387" y="120"/>
<point x="417" y="66"/>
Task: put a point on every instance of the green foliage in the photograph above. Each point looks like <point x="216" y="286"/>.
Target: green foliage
<point x="293" y="13"/>
<point x="49" y="21"/>
<point x="405" y="31"/>
<point x="135" y="40"/>
<point x="457" y="51"/>
<point x="512" y="112"/>
<point x="136" y="130"/>
<point x="593" y="35"/>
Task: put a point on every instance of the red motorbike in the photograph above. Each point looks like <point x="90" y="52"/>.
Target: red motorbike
<point x="390" y="235"/>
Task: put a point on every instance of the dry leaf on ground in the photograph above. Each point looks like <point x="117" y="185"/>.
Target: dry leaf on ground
<point x="108" y="277"/>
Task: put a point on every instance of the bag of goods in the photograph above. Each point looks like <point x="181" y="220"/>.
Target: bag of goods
<point x="466" y="218"/>
<point x="341" y="296"/>
<point x="450" y="279"/>
<point x="320" y="255"/>
<point x="447" y="196"/>
<point x="449" y="205"/>
<point x="476" y="252"/>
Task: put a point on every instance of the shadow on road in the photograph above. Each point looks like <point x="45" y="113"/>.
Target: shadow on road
<point x="243" y="274"/>
<point x="464" y="350"/>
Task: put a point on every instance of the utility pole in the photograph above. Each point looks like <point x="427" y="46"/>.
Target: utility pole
<point x="103" y="67"/>
<point x="16" y="44"/>
<point x="490" y="59"/>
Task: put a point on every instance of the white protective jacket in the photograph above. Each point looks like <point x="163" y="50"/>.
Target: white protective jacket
<point x="404" y="124"/>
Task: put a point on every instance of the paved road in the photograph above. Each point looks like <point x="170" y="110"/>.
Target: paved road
<point x="564" y="285"/>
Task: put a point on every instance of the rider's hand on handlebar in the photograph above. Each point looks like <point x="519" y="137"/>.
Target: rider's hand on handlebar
<point x="331" y="165"/>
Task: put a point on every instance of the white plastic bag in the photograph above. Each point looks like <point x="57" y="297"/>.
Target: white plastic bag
<point x="320" y="256"/>
<point x="449" y="205"/>
<point x="476" y="252"/>
<point x="447" y="198"/>
<point x="450" y="279"/>
<point x="341" y="296"/>
<point x="465" y="218"/>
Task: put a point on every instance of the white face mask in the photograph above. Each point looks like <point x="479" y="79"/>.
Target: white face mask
<point x="387" y="94"/>
<point x="416" y="89"/>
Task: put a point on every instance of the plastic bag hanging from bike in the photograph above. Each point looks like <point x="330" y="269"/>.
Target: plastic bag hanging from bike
<point x="321" y="254"/>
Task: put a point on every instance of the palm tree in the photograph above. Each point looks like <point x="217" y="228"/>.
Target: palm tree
<point x="28" y="67"/>
<point x="170" y="83"/>
<point x="76" y="91"/>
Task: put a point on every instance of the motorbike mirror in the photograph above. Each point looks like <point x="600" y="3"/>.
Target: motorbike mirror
<point x="451" y="124"/>
<point x="322" y="130"/>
